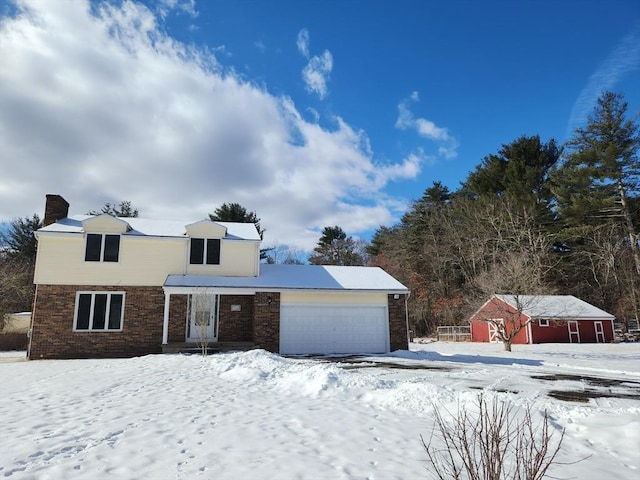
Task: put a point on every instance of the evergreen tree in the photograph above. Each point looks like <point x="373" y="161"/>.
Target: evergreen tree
<point x="123" y="209"/>
<point x="17" y="264"/>
<point x="19" y="240"/>
<point x="599" y="181"/>
<point x="519" y="171"/>
<point x="336" y="248"/>
<point x="234" y="212"/>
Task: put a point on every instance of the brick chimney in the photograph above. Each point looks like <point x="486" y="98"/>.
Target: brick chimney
<point x="55" y="209"/>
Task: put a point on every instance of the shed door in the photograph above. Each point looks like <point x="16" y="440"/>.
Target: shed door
<point x="599" y="332"/>
<point x="323" y="329"/>
<point x="494" y="336"/>
<point x="574" y="331"/>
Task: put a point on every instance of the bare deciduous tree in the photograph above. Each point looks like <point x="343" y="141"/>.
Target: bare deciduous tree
<point x="203" y="313"/>
<point x="493" y="444"/>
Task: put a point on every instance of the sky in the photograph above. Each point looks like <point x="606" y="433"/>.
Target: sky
<point x="311" y="114"/>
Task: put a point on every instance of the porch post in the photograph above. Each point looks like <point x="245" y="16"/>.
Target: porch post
<point x="165" y="324"/>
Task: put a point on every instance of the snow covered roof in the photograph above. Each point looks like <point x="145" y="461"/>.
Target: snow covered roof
<point x="155" y="228"/>
<point x="555" y="306"/>
<point x="298" y="277"/>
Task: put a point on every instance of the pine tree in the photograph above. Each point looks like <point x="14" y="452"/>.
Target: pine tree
<point x="19" y="240"/>
<point x="599" y="181"/>
<point x="123" y="209"/>
<point x="234" y="212"/>
<point x="336" y="248"/>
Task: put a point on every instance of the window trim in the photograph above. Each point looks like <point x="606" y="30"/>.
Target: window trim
<point x="103" y="245"/>
<point x="543" y="322"/>
<point x="205" y="250"/>
<point x="93" y="294"/>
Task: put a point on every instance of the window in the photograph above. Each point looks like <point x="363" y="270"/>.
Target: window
<point x="99" y="311"/>
<point x="102" y="248"/>
<point x="205" y="251"/>
<point x="543" y="322"/>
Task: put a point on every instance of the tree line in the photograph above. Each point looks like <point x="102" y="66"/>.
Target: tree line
<point x="534" y="218"/>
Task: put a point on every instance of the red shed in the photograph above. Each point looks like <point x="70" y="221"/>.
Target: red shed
<point x="542" y="319"/>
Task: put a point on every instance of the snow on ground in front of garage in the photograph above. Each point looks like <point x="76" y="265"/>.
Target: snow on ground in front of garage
<point x="259" y="415"/>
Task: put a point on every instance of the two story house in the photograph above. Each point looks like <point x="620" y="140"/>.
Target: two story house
<point x="121" y="287"/>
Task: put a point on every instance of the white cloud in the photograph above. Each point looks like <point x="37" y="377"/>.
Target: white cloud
<point x="316" y="73"/>
<point x="624" y="58"/>
<point x="303" y="42"/>
<point x="184" y="6"/>
<point x="426" y="128"/>
<point x="104" y="106"/>
<point x="409" y="168"/>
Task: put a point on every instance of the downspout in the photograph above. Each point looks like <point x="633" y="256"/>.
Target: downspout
<point x="530" y="342"/>
<point x="406" y="317"/>
<point x="33" y="311"/>
<point x="165" y="318"/>
<point x="186" y="255"/>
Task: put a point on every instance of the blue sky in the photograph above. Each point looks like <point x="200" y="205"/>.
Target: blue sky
<point x="310" y="113"/>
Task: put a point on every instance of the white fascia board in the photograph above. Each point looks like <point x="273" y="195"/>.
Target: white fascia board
<point x="175" y="290"/>
<point x="332" y="290"/>
<point x="240" y="240"/>
<point x="154" y="238"/>
<point x="41" y="233"/>
<point x="220" y="291"/>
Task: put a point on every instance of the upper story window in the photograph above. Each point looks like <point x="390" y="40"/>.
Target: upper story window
<point x="205" y="251"/>
<point x="102" y="248"/>
<point x="543" y="322"/>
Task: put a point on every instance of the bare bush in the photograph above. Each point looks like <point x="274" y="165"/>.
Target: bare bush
<point x="494" y="444"/>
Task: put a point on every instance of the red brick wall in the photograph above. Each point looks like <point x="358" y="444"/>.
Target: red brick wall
<point x="55" y="208"/>
<point x="397" y="323"/>
<point x="266" y="322"/>
<point x="52" y="333"/>
<point x="235" y="326"/>
<point x="178" y="309"/>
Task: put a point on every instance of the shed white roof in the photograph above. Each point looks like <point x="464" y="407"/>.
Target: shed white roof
<point x="555" y="306"/>
<point x="298" y="277"/>
<point x="155" y="228"/>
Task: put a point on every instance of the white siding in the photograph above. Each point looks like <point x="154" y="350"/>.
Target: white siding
<point x="206" y="229"/>
<point x="143" y="261"/>
<point x="104" y="224"/>
<point x="237" y="259"/>
<point x="334" y="298"/>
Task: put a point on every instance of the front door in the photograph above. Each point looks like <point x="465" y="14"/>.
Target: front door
<point x="203" y="318"/>
<point x="599" y="332"/>
<point x="574" y="332"/>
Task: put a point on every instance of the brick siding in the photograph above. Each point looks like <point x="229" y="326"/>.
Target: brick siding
<point x="258" y="320"/>
<point x="397" y="323"/>
<point x="52" y="333"/>
<point x="266" y="323"/>
<point x="235" y="326"/>
<point x="178" y="311"/>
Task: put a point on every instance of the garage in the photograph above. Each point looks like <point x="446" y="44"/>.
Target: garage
<point x="326" y="329"/>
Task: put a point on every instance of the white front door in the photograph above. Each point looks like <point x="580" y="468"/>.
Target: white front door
<point x="203" y="318"/>
<point x="599" y="332"/>
<point x="574" y="332"/>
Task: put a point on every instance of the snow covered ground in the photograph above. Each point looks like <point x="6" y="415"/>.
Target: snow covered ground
<point x="255" y="415"/>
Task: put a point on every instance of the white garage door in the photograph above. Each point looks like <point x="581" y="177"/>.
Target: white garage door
<point x="312" y="329"/>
